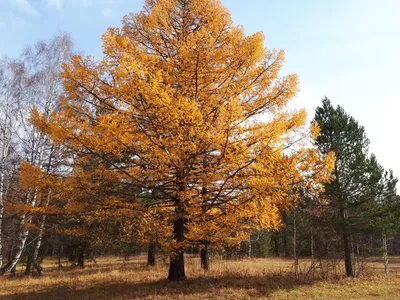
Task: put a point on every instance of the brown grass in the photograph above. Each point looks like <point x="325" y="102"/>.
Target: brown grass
<point x="271" y="278"/>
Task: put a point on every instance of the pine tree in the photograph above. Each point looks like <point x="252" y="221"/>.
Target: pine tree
<point x="356" y="174"/>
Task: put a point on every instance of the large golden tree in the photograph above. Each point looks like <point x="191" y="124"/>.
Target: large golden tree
<point x="189" y="110"/>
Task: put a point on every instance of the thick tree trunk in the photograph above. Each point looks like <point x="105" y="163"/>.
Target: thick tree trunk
<point x="385" y="254"/>
<point x="346" y="246"/>
<point x="151" y="255"/>
<point x="28" y="265"/>
<point x="347" y="256"/>
<point x="204" y="258"/>
<point x="177" y="263"/>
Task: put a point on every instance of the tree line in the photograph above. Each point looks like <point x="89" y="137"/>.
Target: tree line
<point x="179" y="139"/>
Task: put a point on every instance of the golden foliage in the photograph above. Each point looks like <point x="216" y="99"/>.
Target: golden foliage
<point x="190" y="111"/>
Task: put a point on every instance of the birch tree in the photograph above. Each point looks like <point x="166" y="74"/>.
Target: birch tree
<point x="9" y="125"/>
<point x="39" y="87"/>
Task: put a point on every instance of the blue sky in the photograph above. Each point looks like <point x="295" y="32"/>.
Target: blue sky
<point x="347" y="50"/>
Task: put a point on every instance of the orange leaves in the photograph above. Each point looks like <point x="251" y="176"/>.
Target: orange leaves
<point x="31" y="177"/>
<point x="185" y="113"/>
<point x="315" y="130"/>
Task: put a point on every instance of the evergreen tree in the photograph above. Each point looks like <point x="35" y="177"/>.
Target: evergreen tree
<point x="347" y="193"/>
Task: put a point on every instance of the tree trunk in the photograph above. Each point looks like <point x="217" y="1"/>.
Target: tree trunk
<point x="385" y="254"/>
<point x="285" y="244"/>
<point x="249" y="254"/>
<point x="177" y="263"/>
<point x="6" y="144"/>
<point x="296" y="259"/>
<point x="276" y="246"/>
<point x="284" y="235"/>
<point x="347" y="256"/>
<point x="28" y="265"/>
<point x="13" y="271"/>
<point x="81" y="259"/>
<point x="10" y="252"/>
<point x="205" y="261"/>
<point x="38" y="268"/>
<point x="151" y="255"/>
<point x="60" y="251"/>
<point x="346" y="245"/>
<point x="22" y="236"/>
<point x="312" y="244"/>
<point x="358" y="270"/>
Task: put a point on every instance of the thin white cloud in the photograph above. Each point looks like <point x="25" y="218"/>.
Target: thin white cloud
<point x="56" y="3"/>
<point x="106" y="12"/>
<point x="24" y="6"/>
<point x="111" y="2"/>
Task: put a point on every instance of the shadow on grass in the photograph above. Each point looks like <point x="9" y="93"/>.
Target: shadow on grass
<point x="193" y="288"/>
<point x="101" y="268"/>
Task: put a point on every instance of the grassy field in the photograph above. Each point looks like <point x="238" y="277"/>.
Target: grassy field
<point x="271" y="278"/>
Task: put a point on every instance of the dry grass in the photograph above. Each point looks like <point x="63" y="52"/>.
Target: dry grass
<point x="112" y="278"/>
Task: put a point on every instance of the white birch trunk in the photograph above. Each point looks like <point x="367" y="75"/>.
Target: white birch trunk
<point x="22" y="236"/>
<point x="24" y="224"/>
<point x="7" y="135"/>
<point x="39" y="239"/>
<point x="37" y="85"/>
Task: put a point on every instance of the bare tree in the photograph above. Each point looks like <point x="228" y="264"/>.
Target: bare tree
<point x="39" y="87"/>
<point x="9" y="125"/>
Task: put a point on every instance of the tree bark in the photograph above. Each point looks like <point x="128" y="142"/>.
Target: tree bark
<point x="347" y="256"/>
<point x="151" y="255"/>
<point x="13" y="271"/>
<point x="204" y="258"/>
<point x="346" y="246"/>
<point x="177" y="263"/>
<point x="35" y="262"/>
<point x="28" y="265"/>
